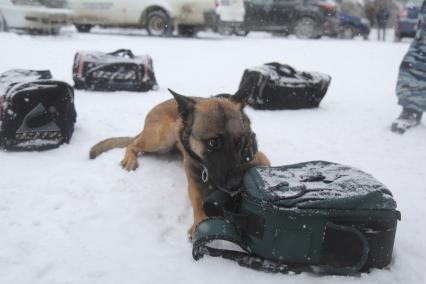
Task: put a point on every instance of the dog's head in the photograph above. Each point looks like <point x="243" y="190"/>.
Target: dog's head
<point x="217" y="131"/>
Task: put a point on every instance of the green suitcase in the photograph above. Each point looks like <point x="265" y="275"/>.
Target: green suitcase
<point x="317" y="215"/>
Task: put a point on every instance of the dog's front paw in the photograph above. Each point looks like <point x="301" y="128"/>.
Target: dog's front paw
<point x="129" y="164"/>
<point x="191" y="232"/>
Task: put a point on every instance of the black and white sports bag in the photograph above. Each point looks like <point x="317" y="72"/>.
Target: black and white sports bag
<point x="279" y="86"/>
<point x="36" y="112"/>
<point x="120" y="70"/>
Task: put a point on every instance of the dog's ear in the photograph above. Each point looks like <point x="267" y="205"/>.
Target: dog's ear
<point x="185" y="104"/>
<point x="240" y="97"/>
<point x="246" y="89"/>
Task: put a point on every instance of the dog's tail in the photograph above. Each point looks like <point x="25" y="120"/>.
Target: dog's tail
<point x="108" y="144"/>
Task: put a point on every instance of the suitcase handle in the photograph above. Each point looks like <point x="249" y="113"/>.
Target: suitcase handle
<point x="123" y="52"/>
<point x="278" y="68"/>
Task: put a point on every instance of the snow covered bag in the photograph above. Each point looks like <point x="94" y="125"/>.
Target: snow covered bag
<point x="279" y="86"/>
<point x="120" y="70"/>
<point x="318" y="216"/>
<point x="36" y="112"/>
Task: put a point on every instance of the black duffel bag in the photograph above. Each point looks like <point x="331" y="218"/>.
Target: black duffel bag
<point x="279" y="86"/>
<point x="36" y="112"/>
<point x="120" y="70"/>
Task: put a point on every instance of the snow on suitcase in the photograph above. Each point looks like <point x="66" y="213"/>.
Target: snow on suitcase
<point x="120" y="70"/>
<point x="36" y="112"/>
<point x="278" y="86"/>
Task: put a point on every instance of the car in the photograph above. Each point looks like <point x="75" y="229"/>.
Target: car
<point x="304" y="18"/>
<point x="406" y="23"/>
<point x="351" y="26"/>
<point x="353" y="19"/>
<point x="45" y="17"/>
<point x="158" y="17"/>
<point x="227" y="17"/>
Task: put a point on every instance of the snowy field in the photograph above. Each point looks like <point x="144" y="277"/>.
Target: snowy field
<point x="67" y="219"/>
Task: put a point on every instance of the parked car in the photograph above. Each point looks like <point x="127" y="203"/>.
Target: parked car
<point x="406" y="23"/>
<point x="352" y="19"/>
<point x="351" y="26"/>
<point x="34" y="16"/>
<point x="227" y="17"/>
<point x="158" y="17"/>
<point x="304" y="18"/>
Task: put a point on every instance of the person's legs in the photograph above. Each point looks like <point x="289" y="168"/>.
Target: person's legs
<point x="384" y="32"/>
<point x="378" y="32"/>
<point x="411" y="84"/>
<point x="411" y="88"/>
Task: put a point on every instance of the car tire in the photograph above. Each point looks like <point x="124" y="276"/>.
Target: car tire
<point x="225" y="30"/>
<point x="54" y="31"/>
<point x="279" y="33"/>
<point x="347" y="32"/>
<point x="241" y="31"/>
<point x="3" y="26"/>
<point x="158" y="23"/>
<point x="186" y="31"/>
<point x="83" y="28"/>
<point x="306" y="27"/>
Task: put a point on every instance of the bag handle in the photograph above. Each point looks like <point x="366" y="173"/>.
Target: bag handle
<point x="364" y="255"/>
<point x="213" y="229"/>
<point x="221" y="204"/>
<point x="123" y="52"/>
<point x="279" y="69"/>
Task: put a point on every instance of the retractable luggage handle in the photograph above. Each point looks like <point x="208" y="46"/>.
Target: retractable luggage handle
<point x="123" y="52"/>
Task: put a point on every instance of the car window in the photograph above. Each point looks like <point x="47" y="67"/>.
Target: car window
<point x="54" y="3"/>
<point x="352" y="8"/>
<point x="47" y="3"/>
<point x="261" y="2"/>
<point x="26" y="2"/>
<point x="416" y="3"/>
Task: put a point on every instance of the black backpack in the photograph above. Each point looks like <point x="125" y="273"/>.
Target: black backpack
<point x="120" y="70"/>
<point x="36" y="112"/>
<point x="278" y="86"/>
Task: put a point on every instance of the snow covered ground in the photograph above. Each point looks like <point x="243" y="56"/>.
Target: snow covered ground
<point x="67" y="219"/>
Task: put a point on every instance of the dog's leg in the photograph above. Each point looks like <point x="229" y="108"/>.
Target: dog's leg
<point x="197" y="205"/>
<point x="155" y="138"/>
<point x="130" y="161"/>
<point x="194" y="192"/>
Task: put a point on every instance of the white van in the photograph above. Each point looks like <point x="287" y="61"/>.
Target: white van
<point x="158" y="17"/>
<point x="36" y="16"/>
<point x="227" y="17"/>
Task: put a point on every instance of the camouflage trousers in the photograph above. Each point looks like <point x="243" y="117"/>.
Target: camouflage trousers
<point x="411" y="85"/>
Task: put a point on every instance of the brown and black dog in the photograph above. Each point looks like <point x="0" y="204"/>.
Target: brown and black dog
<point x="213" y="135"/>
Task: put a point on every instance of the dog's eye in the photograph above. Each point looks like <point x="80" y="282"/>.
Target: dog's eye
<point x="213" y="143"/>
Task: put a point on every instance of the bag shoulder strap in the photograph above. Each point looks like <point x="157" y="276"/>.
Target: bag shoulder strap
<point x="218" y="229"/>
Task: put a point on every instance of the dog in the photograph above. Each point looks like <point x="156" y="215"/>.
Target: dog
<point x="212" y="134"/>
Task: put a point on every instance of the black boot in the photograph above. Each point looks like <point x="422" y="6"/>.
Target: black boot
<point x="406" y="120"/>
